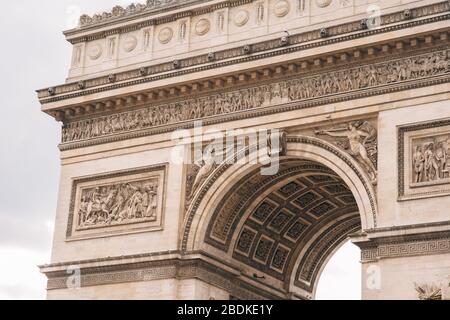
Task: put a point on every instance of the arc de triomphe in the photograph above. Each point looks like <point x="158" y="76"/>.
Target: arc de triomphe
<point x="354" y="92"/>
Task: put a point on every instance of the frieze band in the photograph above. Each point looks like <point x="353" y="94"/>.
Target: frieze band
<point x="397" y="71"/>
<point x="406" y="249"/>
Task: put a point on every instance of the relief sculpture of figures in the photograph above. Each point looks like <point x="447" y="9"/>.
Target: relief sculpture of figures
<point x="260" y="96"/>
<point x="360" y="142"/>
<point x="431" y="159"/>
<point x="206" y="166"/>
<point x="212" y="156"/>
<point x="119" y="203"/>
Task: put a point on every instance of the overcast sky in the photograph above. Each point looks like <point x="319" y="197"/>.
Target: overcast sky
<point x="35" y="55"/>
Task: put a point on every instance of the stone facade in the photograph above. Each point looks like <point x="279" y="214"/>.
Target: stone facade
<point x="360" y="92"/>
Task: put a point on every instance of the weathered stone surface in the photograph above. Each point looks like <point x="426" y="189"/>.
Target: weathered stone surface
<point x="363" y="150"/>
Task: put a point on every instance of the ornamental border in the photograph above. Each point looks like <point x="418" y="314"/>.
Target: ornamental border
<point x="190" y="213"/>
<point x="177" y="268"/>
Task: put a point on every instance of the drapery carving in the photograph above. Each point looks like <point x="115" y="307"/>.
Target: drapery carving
<point x="296" y="89"/>
<point x="359" y="139"/>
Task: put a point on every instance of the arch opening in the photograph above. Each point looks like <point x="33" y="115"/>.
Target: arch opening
<point x="281" y="230"/>
<point x="342" y="271"/>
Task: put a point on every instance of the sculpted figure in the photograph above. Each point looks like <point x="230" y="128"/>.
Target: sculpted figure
<point x="419" y="160"/>
<point x="135" y="204"/>
<point x="150" y="200"/>
<point x="431" y="166"/>
<point x="207" y="165"/>
<point x="94" y="207"/>
<point x="357" y="139"/>
<point x="441" y="158"/>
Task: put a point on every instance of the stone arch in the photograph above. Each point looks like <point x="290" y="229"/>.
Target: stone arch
<point x="222" y="212"/>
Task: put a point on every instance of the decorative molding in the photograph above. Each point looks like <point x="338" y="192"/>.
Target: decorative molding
<point x="134" y="9"/>
<point x="233" y="205"/>
<point x="283" y="221"/>
<point x="340" y="33"/>
<point x="95" y="52"/>
<point x="404" y="246"/>
<point x="424" y="164"/>
<point x="319" y="251"/>
<point x="430" y="65"/>
<point x="241" y="18"/>
<point x="195" y="202"/>
<point x="281" y="8"/>
<point x="171" y="268"/>
<point x="117" y="203"/>
<point x="130" y="43"/>
<point x="202" y="27"/>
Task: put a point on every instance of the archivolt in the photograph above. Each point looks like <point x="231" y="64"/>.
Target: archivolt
<point x="225" y="177"/>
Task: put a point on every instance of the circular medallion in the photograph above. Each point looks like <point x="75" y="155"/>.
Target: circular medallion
<point x="95" y="52"/>
<point x="130" y="43"/>
<point x="165" y="35"/>
<point x="281" y="8"/>
<point x="202" y="27"/>
<point x="323" y="3"/>
<point x="241" y="18"/>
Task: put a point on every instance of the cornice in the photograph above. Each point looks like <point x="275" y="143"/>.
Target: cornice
<point x="120" y="15"/>
<point x="262" y="50"/>
<point x="402" y="131"/>
<point x="256" y="111"/>
<point x="408" y="228"/>
<point x="158" y="266"/>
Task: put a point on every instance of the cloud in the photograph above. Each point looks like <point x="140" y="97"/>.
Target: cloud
<point x="20" y="278"/>
<point x="32" y="234"/>
<point x="341" y="279"/>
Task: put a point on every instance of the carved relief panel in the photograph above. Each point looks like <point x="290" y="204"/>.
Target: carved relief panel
<point x="424" y="164"/>
<point x="120" y="202"/>
<point x="358" y="138"/>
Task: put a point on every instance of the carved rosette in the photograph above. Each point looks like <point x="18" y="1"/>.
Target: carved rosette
<point x="323" y="3"/>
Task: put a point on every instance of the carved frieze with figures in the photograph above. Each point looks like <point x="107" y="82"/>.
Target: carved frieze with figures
<point x="117" y="202"/>
<point x="424" y="164"/>
<point x="277" y="93"/>
<point x="431" y="163"/>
